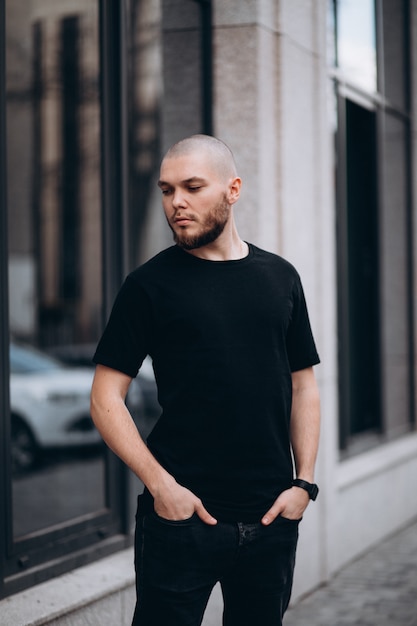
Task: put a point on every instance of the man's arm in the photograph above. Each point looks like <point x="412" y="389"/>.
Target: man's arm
<point x="116" y="426"/>
<point x="305" y="431"/>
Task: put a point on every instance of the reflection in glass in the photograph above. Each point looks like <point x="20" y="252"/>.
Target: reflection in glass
<point x="356" y="47"/>
<point x="331" y="33"/>
<point x="54" y="215"/>
<point x="49" y="404"/>
<point x="164" y="104"/>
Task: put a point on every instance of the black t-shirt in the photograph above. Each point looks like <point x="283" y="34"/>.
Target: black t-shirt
<point x="224" y="337"/>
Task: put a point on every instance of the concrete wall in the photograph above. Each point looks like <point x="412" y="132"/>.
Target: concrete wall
<point x="100" y="594"/>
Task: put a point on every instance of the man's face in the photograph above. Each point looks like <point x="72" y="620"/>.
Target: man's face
<point x="194" y="199"/>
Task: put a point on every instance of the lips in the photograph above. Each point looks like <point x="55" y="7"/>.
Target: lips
<point x="182" y="221"/>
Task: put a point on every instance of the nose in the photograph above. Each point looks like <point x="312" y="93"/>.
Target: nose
<point x="178" y="199"/>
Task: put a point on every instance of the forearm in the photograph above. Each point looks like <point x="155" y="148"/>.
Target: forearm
<point x="117" y="428"/>
<point x="305" y="423"/>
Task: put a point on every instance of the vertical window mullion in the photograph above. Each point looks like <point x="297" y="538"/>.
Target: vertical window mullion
<point x="5" y="469"/>
<point x="342" y="271"/>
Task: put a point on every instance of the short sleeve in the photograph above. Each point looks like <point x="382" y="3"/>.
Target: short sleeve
<point x="126" y="338"/>
<point x="301" y="348"/>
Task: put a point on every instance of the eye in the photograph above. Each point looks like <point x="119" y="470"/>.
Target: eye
<point x="194" y="188"/>
<point x="165" y="191"/>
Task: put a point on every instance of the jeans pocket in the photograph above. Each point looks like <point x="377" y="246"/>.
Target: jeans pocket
<point x="286" y="520"/>
<point x="171" y="522"/>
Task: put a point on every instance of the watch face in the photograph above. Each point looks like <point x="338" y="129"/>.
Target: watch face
<point x="314" y="492"/>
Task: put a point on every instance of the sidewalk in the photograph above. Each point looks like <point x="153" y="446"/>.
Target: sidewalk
<point x="378" y="589"/>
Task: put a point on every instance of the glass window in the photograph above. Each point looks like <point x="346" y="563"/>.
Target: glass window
<point x="356" y="42"/>
<point x="55" y="291"/>
<point x="373" y="223"/>
<point x="362" y="293"/>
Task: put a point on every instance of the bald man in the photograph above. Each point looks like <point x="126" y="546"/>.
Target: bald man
<point x="229" y="467"/>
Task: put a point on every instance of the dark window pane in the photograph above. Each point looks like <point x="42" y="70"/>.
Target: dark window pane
<point x="362" y="284"/>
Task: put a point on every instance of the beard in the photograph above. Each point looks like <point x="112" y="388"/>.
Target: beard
<point x="211" y="228"/>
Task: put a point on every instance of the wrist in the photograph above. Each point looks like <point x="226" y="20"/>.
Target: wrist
<point x="311" y="488"/>
<point x="161" y="484"/>
<point x="309" y="478"/>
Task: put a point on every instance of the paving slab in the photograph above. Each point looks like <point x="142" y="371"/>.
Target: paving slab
<point x="378" y="589"/>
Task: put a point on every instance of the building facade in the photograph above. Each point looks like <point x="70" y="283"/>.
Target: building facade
<point x="318" y="101"/>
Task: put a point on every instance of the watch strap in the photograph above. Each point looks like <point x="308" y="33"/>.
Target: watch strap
<point x="311" y="488"/>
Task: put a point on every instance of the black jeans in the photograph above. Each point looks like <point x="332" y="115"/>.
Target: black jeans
<point x="178" y="563"/>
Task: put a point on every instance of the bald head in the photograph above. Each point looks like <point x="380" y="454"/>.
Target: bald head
<point x="220" y="156"/>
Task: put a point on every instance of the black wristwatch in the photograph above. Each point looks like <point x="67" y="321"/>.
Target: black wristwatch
<point x="311" y="488"/>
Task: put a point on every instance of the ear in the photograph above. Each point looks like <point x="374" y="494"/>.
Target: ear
<point x="234" y="187"/>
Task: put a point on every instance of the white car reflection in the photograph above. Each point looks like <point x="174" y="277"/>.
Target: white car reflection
<point x="50" y="406"/>
<point x="79" y="355"/>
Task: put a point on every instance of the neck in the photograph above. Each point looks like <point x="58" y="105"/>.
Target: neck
<point x="227" y="247"/>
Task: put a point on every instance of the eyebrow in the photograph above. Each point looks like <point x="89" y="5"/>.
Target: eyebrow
<point x="187" y="181"/>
